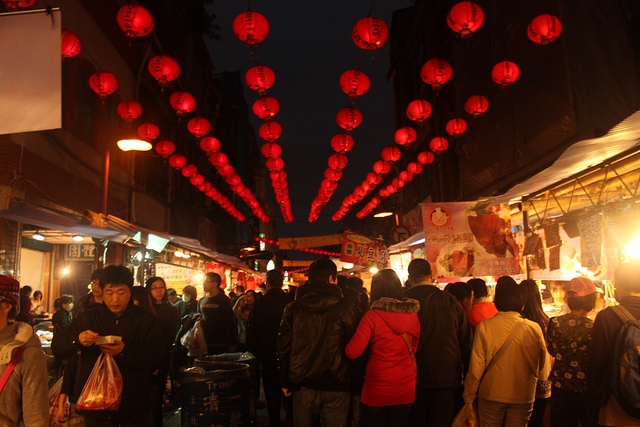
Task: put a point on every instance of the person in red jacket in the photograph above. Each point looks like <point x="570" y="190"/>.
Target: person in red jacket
<point x="390" y="380"/>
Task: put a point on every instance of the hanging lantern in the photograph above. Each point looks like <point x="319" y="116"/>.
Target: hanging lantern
<point x="177" y="161"/>
<point x="148" y="131"/>
<point x="251" y="27"/>
<point x="406" y="176"/>
<point x="70" y="44"/>
<point x="266" y="108"/>
<point x="274" y="164"/>
<point x="426" y="158"/>
<point x="260" y="78"/>
<point x="415" y="168"/>
<point x="135" y="21"/>
<point x="354" y="83"/>
<point x="370" y="33"/>
<point x="209" y="144"/>
<point x="196" y="179"/>
<point x="183" y="102"/>
<point x="129" y="110"/>
<point x="436" y="72"/>
<point x="165" y="148"/>
<point x="465" y="18"/>
<point x="219" y="159"/>
<point x="189" y="170"/>
<point x="419" y="110"/>
<point x="342" y="142"/>
<point x="164" y="69"/>
<point x="332" y="174"/>
<point x="103" y="83"/>
<point x="373" y="178"/>
<point x="544" y="29"/>
<point x="337" y="161"/>
<point x="18" y="4"/>
<point x="405" y="135"/>
<point x="476" y="105"/>
<point x="349" y="118"/>
<point x="456" y="127"/>
<point x="381" y="167"/>
<point x="391" y="154"/>
<point x="205" y="186"/>
<point x="438" y="144"/>
<point x="271" y="150"/>
<point x="198" y="127"/>
<point x="505" y="73"/>
<point x="226" y="171"/>
<point x="270" y="131"/>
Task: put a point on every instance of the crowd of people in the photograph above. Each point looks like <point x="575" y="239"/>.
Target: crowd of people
<point x="329" y="353"/>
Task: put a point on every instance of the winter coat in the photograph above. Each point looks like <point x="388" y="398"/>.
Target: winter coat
<point x="168" y="320"/>
<point x="141" y="355"/>
<point x="314" y="331"/>
<point x="219" y="321"/>
<point x="391" y="376"/>
<point x="445" y="338"/>
<point x="24" y="401"/>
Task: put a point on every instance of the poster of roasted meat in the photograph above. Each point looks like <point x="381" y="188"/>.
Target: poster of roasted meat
<point x="461" y="241"/>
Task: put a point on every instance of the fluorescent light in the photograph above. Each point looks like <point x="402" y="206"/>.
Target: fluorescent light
<point x="383" y="214"/>
<point x="77" y="238"/>
<point x="134" y="145"/>
<point x="37" y="236"/>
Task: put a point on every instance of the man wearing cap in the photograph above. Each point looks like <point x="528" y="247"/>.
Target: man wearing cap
<point x="605" y="330"/>
<point x="569" y="342"/>
<point x="24" y="399"/>
<point x="136" y="350"/>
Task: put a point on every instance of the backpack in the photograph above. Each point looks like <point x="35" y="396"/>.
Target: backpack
<point x="625" y="364"/>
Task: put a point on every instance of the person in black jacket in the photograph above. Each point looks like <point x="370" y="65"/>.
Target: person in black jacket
<point x="444" y="351"/>
<point x="311" y="361"/>
<point x="218" y="320"/>
<point x="262" y="335"/>
<point x="137" y="354"/>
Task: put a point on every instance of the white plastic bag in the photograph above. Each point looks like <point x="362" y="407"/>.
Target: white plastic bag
<point x="194" y="340"/>
<point x="467" y="417"/>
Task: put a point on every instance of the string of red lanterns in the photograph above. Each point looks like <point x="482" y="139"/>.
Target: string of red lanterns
<point x="319" y="251"/>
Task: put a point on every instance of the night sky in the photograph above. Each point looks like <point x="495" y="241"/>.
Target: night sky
<point x="308" y="48"/>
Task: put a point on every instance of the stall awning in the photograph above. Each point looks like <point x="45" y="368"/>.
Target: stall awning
<point x="579" y="157"/>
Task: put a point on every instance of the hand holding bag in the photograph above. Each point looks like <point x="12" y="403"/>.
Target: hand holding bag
<point x="467" y="417"/>
<point x="103" y="389"/>
<point x="194" y="340"/>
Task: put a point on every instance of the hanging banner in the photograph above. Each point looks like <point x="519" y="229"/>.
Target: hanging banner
<point x="309" y="242"/>
<point x="463" y="242"/>
<point x="362" y="250"/>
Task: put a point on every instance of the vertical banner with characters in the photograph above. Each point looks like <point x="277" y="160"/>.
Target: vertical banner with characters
<point x="461" y="241"/>
<point x="359" y="249"/>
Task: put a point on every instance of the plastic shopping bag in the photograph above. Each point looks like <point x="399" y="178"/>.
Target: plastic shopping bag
<point x="467" y="417"/>
<point x="103" y="389"/>
<point x="194" y="340"/>
<point x="54" y="394"/>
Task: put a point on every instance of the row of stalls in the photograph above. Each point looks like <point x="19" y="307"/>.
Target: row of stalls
<point x="54" y="250"/>
<point x="578" y="217"/>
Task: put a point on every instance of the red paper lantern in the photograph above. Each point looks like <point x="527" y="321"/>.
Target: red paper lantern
<point x="226" y="170"/>
<point x="373" y="178"/>
<point x="271" y="150"/>
<point x="189" y="170"/>
<point x="70" y="44"/>
<point x="456" y="127"/>
<point x="103" y="83"/>
<point x="219" y="159"/>
<point x="370" y="33"/>
<point x="426" y="158"/>
<point x="266" y="108"/>
<point x="354" y="83"/>
<point x="381" y="167"/>
<point x="260" y="78"/>
<point x="436" y="72"/>
<point x="183" y="102"/>
<point x="505" y="73"/>
<point x="337" y="161"/>
<point x="165" y="148"/>
<point x="465" y="18"/>
<point x="349" y="118"/>
<point x="177" y="161"/>
<point x="342" y="142"/>
<point x="476" y="105"/>
<point x="148" y="131"/>
<point x="332" y="174"/>
<point x="405" y="135"/>
<point x="405" y="176"/>
<point x="209" y="144"/>
<point x="415" y="168"/>
<point x="419" y="110"/>
<point x="18" y="4"/>
<point x="274" y="164"/>
<point x="196" y="180"/>
<point x="391" y="154"/>
<point x="198" y="127"/>
<point x="251" y="27"/>
<point x="135" y="21"/>
<point x="129" y="110"/>
<point x="205" y="186"/>
<point x="438" y="144"/>
<point x="544" y="29"/>
<point x="164" y="69"/>
<point x="270" y="131"/>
